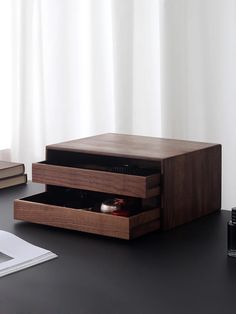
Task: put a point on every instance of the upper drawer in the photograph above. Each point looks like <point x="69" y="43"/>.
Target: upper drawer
<point x="143" y="186"/>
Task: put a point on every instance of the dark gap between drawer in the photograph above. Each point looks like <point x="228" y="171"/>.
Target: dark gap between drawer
<point x="102" y="163"/>
<point x="89" y="200"/>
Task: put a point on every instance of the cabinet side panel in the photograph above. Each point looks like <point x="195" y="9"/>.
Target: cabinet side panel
<point x="191" y="186"/>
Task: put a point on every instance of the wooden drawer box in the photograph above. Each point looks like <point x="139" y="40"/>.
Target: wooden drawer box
<point x="36" y="209"/>
<point x="94" y="180"/>
<point x="175" y="181"/>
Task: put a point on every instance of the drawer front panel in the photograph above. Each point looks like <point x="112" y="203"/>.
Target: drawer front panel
<point x="94" y="180"/>
<point x="86" y="221"/>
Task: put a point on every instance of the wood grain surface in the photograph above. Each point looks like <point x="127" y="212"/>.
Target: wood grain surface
<point x="86" y="221"/>
<point x="93" y="180"/>
<point x="191" y="186"/>
<point x="132" y="146"/>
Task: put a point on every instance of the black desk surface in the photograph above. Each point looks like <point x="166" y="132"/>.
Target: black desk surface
<point x="185" y="270"/>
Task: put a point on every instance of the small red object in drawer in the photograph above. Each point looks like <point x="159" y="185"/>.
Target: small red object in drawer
<point x="121" y="212"/>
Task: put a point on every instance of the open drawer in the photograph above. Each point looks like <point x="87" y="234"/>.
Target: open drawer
<point x="44" y="209"/>
<point x="144" y="185"/>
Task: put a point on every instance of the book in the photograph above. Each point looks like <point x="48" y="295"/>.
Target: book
<point x="12" y="181"/>
<point x="17" y="254"/>
<point x="10" y="169"/>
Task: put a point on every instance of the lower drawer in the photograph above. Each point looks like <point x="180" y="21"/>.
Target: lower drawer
<point x="40" y="209"/>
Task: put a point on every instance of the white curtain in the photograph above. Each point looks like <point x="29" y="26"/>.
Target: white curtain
<point x="83" y="68"/>
<point x="152" y="67"/>
<point x="198" y="77"/>
<point x="5" y="77"/>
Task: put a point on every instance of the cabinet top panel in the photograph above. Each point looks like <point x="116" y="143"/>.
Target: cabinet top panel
<point x="131" y="146"/>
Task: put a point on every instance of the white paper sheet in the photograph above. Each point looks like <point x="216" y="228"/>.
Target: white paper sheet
<point x="17" y="254"/>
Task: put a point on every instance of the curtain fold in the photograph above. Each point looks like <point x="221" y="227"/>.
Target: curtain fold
<point x="81" y="69"/>
<point x="6" y="90"/>
<point x="149" y="67"/>
<point x="198" y="58"/>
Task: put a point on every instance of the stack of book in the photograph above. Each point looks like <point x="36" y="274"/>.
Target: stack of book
<point x="12" y="173"/>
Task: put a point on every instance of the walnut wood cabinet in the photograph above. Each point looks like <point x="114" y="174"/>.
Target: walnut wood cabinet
<point x="172" y="183"/>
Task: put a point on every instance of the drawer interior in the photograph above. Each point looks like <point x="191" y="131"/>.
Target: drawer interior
<point x="89" y="200"/>
<point x="102" y="163"/>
